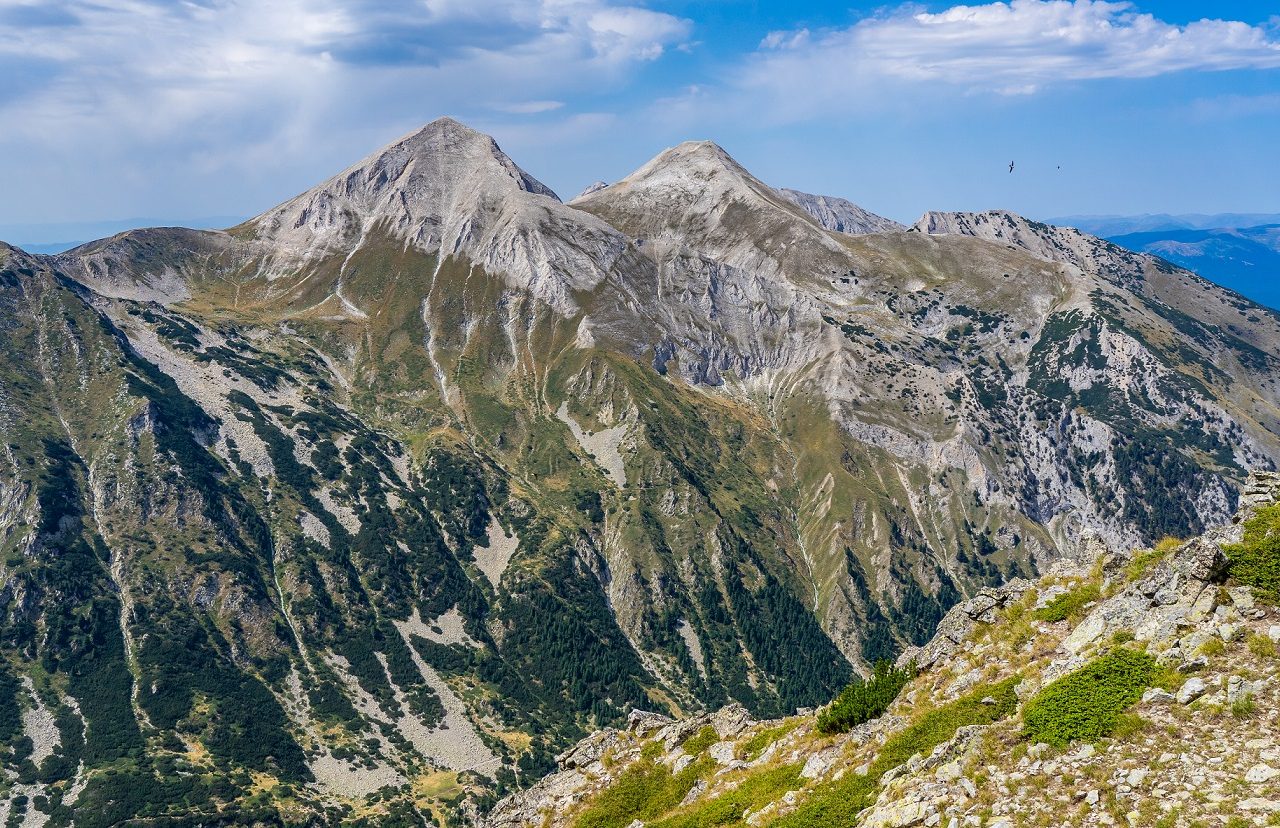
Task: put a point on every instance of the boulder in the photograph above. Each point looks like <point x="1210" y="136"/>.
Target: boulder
<point x="1260" y="774"/>
<point x="731" y="720"/>
<point x="1191" y="690"/>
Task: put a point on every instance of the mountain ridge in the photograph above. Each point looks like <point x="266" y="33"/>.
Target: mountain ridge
<point x="438" y="482"/>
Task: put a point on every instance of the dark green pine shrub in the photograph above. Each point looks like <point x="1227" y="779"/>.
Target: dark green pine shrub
<point x="1068" y="605"/>
<point x="863" y="701"/>
<point x="1089" y="703"/>
<point x="1256" y="561"/>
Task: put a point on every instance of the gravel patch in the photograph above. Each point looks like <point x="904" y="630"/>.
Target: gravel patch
<point x="493" y="561"/>
<point x="604" y="445"/>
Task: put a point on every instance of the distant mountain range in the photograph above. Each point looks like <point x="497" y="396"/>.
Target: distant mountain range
<point x="1110" y="226"/>
<point x="1240" y="251"/>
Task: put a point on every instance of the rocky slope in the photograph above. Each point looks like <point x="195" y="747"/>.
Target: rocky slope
<point x="841" y="215"/>
<point x="1185" y="734"/>
<point x="367" y="508"/>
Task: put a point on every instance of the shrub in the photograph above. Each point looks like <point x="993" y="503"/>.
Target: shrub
<point x="1262" y="646"/>
<point x="1256" y="561"/>
<point x="1088" y="704"/>
<point x="1068" y="605"/>
<point x="863" y="701"/>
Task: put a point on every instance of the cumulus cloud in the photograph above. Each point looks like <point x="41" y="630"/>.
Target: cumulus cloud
<point x="1013" y="48"/>
<point x="124" y="90"/>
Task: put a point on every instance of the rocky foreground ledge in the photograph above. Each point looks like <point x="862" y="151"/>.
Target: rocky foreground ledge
<point x="1132" y="688"/>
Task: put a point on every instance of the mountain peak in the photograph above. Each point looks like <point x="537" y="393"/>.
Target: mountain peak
<point x="448" y="190"/>
<point x="1065" y="245"/>
<point x="414" y="186"/>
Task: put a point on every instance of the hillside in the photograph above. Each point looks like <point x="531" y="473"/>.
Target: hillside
<point x="364" y="510"/>
<point x="1124" y="688"/>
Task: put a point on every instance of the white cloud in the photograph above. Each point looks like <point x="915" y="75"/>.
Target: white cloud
<point x="210" y="93"/>
<point x="1013" y="48"/>
<point x="528" y="107"/>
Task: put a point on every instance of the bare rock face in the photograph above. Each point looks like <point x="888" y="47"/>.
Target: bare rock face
<point x="840" y="215"/>
<point x="449" y="190"/>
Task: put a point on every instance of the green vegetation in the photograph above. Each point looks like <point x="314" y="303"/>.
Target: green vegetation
<point x="1069" y="604"/>
<point x="751" y="749"/>
<point x="644" y="791"/>
<point x="863" y="701"/>
<point x="700" y="741"/>
<point x="727" y="809"/>
<point x="1144" y="559"/>
<point x="1256" y="561"/>
<point x="1088" y="704"/>
<point x="837" y="804"/>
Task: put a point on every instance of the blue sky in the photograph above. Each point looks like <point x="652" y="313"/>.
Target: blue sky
<point x="181" y="110"/>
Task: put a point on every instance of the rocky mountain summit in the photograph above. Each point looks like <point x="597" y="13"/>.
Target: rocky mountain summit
<point x="366" y="509"/>
<point x="1136" y="688"/>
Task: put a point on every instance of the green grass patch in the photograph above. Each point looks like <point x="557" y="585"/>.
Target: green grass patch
<point x="644" y="791"/>
<point x="863" y="701"/>
<point x="1069" y="604"/>
<point x="837" y="804"/>
<point x="700" y="741"/>
<point x="755" y="792"/>
<point x="1256" y="561"/>
<point x="750" y="749"/>
<point x="1261" y="646"/>
<point x="1089" y="703"/>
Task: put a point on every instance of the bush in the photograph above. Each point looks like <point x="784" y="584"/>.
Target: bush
<point x="863" y="701"/>
<point x="1088" y="704"/>
<point x="1256" y="561"/>
<point x="1068" y="605"/>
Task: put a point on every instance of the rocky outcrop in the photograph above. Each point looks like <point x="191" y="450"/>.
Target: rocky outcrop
<point x="840" y="215"/>
<point x="959" y="623"/>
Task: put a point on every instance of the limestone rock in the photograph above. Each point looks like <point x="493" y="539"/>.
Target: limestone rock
<point x="1260" y="773"/>
<point x="1191" y="690"/>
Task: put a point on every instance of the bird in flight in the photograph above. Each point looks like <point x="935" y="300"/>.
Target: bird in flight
<point x="1010" y="166"/>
